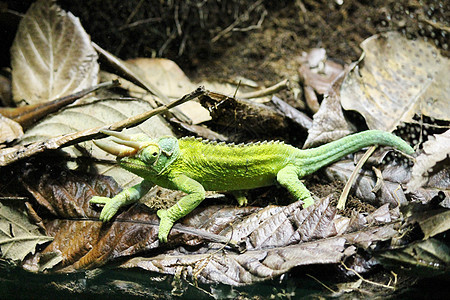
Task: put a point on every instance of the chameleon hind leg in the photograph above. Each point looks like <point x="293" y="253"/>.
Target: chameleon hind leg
<point x="289" y="179"/>
<point x="195" y="195"/>
<point x="240" y="197"/>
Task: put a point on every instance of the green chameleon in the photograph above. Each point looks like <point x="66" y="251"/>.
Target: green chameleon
<point x="194" y="165"/>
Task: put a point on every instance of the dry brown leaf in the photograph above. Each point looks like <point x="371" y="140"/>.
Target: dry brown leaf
<point x="436" y="151"/>
<point x="390" y="191"/>
<point x="51" y="55"/>
<point x="18" y="237"/>
<point x="397" y="79"/>
<point x="329" y="123"/>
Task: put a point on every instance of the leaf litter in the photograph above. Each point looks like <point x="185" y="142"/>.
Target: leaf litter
<point x="276" y="238"/>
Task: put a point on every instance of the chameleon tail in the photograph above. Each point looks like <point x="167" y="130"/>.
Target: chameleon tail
<point x="313" y="159"/>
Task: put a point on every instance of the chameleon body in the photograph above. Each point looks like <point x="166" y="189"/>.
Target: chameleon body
<point x="194" y="165"/>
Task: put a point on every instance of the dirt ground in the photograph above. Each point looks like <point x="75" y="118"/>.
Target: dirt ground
<point x="259" y="40"/>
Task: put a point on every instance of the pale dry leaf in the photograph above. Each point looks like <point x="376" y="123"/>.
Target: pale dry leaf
<point x="9" y="130"/>
<point x="167" y="76"/>
<point x="435" y="150"/>
<point x="18" y="237"/>
<point x="51" y="55"/>
<point x="396" y="79"/>
<point x="97" y="113"/>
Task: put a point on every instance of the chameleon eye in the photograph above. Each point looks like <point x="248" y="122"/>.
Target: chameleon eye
<point x="154" y="154"/>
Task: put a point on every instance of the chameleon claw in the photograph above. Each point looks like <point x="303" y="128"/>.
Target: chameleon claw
<point x="109" y="209"/>
<point x="165" y="225"/>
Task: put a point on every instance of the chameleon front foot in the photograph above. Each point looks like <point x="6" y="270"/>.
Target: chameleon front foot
<point x="165" y="225"/>
<point x="110" y="207"/>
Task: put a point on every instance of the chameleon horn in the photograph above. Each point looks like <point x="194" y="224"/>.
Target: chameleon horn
<point x="116" y="134"/>
<point x="131" y="144"/>
<point x="117" y="150"/>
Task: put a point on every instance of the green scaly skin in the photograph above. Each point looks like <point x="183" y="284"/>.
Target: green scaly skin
<point x="194" y="165"/>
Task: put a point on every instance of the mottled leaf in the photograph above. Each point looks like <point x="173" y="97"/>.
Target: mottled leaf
<point x="247" y="268"/>
<point x="66" y="193"/>
<point x="51" y="55"/>
<point x="18" y="237"/>
<point x="398" y="79"/>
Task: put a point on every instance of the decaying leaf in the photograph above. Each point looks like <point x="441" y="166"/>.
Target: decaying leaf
<point x="66" y="193"/>
<point x="317" y="74"/>
<point x="390" y="188"/>
<point x="18" y="237"/>
<point x="277" y="238"/>
<point x="9" y="130"/>
<point x="51" y="55"/>
<point x="329" y="123"/>
<point x="430" y="257"/>
<point x="245" y="115"/>
<point x="28" y="115"/>
<point x="398" y="79"/>
<point x="435" y="224"/>
<point x="436" y="154"/>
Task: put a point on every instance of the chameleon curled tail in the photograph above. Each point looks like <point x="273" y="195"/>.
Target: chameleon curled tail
<point x="195" y="165"/>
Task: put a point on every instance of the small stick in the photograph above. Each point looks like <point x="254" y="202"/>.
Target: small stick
<point x="351" y="180"/>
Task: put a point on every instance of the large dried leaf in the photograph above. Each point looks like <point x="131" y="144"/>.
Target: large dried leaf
<point x="13" y="154"/>
<point x="97" y="113"/>
<point x="277" y="238"/>
<point x="436" y="153"/>
<point x="18" y="237"/>
<point x="398" y="79"/>
<point x="171" y="81"/>
<point x="51" y="55"/>
<point x="66" y="194"/>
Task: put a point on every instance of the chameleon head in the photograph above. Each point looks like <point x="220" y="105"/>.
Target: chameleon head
<point x="141" y="154"/>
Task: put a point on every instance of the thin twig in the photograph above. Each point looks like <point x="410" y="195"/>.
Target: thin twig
<point x="351" y="180"/>
<point x="321" y="283"/>
<point x="267" y="91"/>
<point x="365" y="280"/>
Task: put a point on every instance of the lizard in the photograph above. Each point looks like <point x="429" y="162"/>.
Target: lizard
<point x="193" y="165"/>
